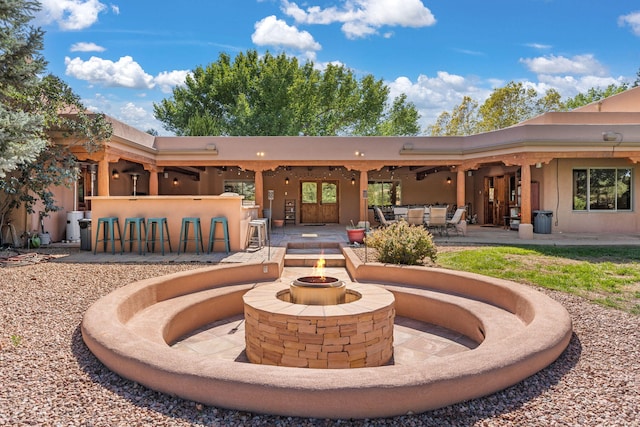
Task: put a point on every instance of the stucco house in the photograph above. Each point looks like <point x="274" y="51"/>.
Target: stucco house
<point x="579" y="165"/>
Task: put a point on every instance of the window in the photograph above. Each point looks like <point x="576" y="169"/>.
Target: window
<point x="384" y="193"/>
<point x="244" y="188"/>
<point x="602" y="189"/>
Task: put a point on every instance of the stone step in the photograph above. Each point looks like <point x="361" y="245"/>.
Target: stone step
<point x="310" y="260"/>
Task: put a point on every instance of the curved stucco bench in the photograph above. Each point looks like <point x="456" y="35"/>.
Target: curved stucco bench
<point x="128" y="330"/>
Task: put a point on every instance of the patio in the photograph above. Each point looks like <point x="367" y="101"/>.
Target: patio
<point x="335" y="233"/>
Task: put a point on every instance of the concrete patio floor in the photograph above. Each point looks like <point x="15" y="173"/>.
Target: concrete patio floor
<point x="332" y="233"/>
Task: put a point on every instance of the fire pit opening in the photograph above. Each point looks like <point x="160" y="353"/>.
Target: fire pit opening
<point x="318" y="290"/>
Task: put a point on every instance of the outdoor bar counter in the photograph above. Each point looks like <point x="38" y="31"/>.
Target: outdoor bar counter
<point x="174" y="208"/>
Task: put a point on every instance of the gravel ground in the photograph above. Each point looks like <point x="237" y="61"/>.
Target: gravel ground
<point x="48" y="376"/>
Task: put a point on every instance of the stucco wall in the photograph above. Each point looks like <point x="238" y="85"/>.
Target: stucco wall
<point x="556" y="194"/>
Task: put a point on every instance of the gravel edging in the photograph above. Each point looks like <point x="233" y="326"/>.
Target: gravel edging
<point x="50" y="377"/>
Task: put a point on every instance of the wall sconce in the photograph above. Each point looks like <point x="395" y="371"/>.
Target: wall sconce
<point x="175" y="182"/>
<point x="286" y="181"/>
<point x="359" y="153"/>
<point x="260" y="154"/>
<point x="115" y="174"/>
<point x="353" y="180"/>
<point x="448" y="180"/>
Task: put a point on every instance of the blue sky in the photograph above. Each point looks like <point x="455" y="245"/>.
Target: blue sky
<point x="120" y="57"/>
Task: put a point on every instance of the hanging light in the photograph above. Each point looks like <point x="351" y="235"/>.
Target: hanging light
<point x="286" y="181"/>
<point x="448" y="180"/>
<point x="115" y="174"/>
<point x="353" y="180"/>
<point x="175" y="182"/>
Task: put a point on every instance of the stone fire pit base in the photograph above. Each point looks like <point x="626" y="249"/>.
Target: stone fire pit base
<point x="356" y="334"/>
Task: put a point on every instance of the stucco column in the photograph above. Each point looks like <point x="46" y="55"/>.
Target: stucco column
<point x="103" y="177"/>
<point x="153" y="180"/>
<point x="460" y="188"/>
<point x="525" y="229"/>
<point x="259" y="184"/>
<point x="364" y="185"/>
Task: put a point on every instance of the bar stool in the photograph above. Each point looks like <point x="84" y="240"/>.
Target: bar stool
<point x="135" y="227"/>
<point x="184" y="234"/>
<point x="212" y="233"/>
<point x="150" y="231"/>
<point x="109" y="225"/>
<point x="259" y="228"/>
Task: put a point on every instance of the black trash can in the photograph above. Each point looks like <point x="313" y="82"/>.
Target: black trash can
<point x="542" y="222"/>
<point x="85" y="234"/>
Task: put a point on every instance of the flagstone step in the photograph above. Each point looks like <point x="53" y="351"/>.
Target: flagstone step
<point x="310" y="260"/>
<point x="307" y="254"/>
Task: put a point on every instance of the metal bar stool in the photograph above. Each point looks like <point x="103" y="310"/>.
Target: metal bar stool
<point x="150" y="231"/>
<point x="135" y="227"/>
<point x="184" y="234"/>
<point x="109" y="225"/>
<point x="212" y="233"/>
<point x="257" y="234"/>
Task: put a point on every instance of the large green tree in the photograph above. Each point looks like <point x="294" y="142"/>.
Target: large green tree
<point x="276" y="95"/>
<point x="594" y="94"/>
<point x="506" y="106"/>
<point x="31" y="164"/>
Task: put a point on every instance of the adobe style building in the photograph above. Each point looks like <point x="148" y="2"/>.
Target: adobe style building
<point x="580" y="165"/>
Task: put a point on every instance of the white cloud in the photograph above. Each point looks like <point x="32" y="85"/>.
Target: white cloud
<point x="271" y="31"/>
<point x="361" y="18"/>
<point x="632" y="20"/>
<point x="570" y="86"/>
<point x="539" y="46"/>
<point x="433" y="95"/>
<point x="167" y="80"/>
<point x="86" y="47"/>
<point x="123" y="73"/>
<point x="115" y="9"/>
<point x="71" y="14"/>
<point x="136" y="114"/>
<point x="579" y="64"/>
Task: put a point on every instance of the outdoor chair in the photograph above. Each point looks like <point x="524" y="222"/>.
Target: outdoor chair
<point x="415" y="216"/>
<point x="400" y="212"/>
<point x="438" y="220"/>
<point x="383" y="221"/>
<point x="456" y="222"/>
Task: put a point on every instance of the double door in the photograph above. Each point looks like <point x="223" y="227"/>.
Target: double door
<point x="319" y="202"/>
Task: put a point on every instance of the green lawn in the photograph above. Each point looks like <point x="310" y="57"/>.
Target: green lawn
<point x="605" y="275"/>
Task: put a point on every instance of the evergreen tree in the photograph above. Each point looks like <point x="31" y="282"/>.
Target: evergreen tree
<point x="31" y="164"/>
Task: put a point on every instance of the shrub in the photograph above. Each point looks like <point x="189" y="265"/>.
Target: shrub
<point x="402" y="243"/>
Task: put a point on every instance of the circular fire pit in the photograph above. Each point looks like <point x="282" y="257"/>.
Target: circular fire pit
<point x="318" y="290"/>
<point x="355" y="333"/>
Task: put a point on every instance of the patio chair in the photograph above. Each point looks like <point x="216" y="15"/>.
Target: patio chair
<point x="456" y="222"/>
<point x="400" y="212"/>
<point x="415" y="216"/>
<point x="383" y="221"/>
<point x="438" y="220"/>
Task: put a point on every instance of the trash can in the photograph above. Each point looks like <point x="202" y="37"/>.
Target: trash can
<point x="85" y="234"/>
<point x="542" y="222"/>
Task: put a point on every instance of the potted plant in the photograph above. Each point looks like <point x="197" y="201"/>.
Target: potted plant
<point x="356" y="233"/>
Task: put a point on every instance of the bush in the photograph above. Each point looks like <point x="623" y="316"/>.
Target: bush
<point x="401" y="243"/>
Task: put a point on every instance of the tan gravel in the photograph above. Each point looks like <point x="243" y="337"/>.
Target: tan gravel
<point x="48" y="377"/>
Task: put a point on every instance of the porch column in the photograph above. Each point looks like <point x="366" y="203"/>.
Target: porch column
<point x="525" y="230"/>
<point x="364" y="185"/>
<point x="103" y="177"/>
<point x="460" y="188"/>
<point x="259" y="184"/>
<point x="153" y="179"/>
